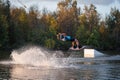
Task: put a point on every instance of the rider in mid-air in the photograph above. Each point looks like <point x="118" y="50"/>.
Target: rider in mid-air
<point x="64" y="37"/>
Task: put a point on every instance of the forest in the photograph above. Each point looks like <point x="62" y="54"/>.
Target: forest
<point x="19" y="27"/>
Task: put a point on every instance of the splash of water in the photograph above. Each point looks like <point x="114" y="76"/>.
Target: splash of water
<point x="37" y="56"/>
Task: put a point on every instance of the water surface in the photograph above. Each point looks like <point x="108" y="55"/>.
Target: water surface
<point x="53" y="68"/>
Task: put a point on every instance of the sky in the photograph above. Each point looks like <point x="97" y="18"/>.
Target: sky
<point x="103" y="6"/>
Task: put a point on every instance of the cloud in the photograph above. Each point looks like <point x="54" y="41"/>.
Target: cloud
<point x="55" y="2"/>
<point x="98" y="2"/>
<point x="118" y="1"/>
<point x="28" y="2"/>
<point x="39" y="1"/>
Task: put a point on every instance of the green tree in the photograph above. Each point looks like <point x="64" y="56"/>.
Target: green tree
<point x="103" y="31"/>
<point x="94" y="39"/>
<point x="88" y="32"/>
<point x="19" y="30"/>
<point x="3" y="31"/>
<point x="113" y="22"/>
<point x="82" y="35"/>
<point x="4" y="23"/>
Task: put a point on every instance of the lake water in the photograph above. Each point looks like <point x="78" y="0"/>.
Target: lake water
<point x="36" y="64"/>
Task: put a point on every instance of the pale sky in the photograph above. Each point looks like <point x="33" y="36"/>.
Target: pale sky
<point x="103" y="6"/>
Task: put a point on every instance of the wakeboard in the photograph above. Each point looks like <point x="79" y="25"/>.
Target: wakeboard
<point x="76" y="49"/>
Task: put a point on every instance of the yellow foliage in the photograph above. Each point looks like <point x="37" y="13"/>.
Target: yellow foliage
<point x="102" y="29"/>
<point x="82" y="18"/>
<point x="22" y="17"/>
<point x="51" y="21"/>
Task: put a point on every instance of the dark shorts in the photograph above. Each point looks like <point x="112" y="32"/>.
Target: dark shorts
<point x="72" y="39"/>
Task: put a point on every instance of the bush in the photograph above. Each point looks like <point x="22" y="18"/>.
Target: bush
<point x="50" y="43"/>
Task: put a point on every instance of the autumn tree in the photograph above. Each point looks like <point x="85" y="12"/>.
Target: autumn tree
<point x="33" y="16"/>
<point x="92" y="17"/>
<point x="68" y="16"/>
<point x="19" y="27"/>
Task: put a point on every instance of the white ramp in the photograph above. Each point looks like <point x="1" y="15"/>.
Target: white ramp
<point x="92" y="53"/>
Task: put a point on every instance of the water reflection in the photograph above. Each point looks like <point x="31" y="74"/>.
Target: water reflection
<point x="35" y="73"/>
<point x="96" y="70"/>
<point x="101" y="68"/>
<point x="85" y="73"/>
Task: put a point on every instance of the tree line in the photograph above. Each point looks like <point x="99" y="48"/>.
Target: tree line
<point x="19" y="27"/>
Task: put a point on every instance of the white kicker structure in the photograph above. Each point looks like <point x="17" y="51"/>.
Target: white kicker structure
<point x="92" y="53"/>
